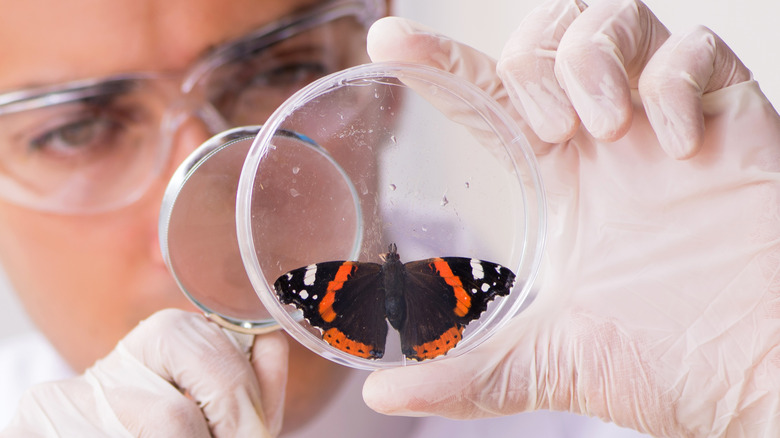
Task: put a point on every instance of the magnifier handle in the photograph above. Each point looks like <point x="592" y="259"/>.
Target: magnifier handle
<point x="242" y="341"/>
<point x="242" y="338"/>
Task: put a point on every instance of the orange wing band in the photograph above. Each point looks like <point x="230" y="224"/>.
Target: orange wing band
<point x="462" y="299"/>
<point x="338" y="339"/>
<point x="326" y="305"/>
<point x="440" y="346"/>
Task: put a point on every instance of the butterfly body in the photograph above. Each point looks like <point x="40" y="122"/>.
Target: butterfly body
<point x="429" y="302"/>
<point x="394" y="276"/>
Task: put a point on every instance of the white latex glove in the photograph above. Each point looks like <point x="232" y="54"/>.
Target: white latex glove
<point x="175" y="375"/>
<point x="660" y="306"/>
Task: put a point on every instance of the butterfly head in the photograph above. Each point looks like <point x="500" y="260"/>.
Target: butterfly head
<point x="391" y="254"/>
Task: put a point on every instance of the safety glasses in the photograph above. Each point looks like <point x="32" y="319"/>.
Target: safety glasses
<point x="95" y="145"/>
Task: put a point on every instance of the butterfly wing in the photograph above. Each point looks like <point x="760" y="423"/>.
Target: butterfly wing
<point x="344" y="299"/>
<point x="442" y="296"/>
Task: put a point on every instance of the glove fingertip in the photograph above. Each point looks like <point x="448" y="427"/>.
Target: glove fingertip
<point x="680" y="150"/>
<point x="381" y="395"/>
<point x="558" y="125"/>
<point x="379" y="35"/>
<point x="375" y="392"/>
<point x="388" y="38"/>
<point x="543" y="105"/>
<point x="603" y="104"/>
<point x="679" y="130"/>
<point x="270" y="362"/>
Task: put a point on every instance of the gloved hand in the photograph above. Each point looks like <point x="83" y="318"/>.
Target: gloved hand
<point x="659" y="309"/>
<point x="176" y="374"/>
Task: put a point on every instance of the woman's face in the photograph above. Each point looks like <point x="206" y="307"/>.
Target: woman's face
<point x="87" y="279"/>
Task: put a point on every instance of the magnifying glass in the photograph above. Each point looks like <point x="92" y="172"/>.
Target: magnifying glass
<point x="197" y="224"/>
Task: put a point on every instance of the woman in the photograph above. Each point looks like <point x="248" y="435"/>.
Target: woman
<point x="85" y="170"/>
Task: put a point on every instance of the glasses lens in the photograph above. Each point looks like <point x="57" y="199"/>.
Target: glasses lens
<point x="94" y="148"/>
<point x="249" y="85"/>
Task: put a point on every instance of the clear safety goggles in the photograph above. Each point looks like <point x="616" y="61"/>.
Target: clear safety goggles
<point x="95" y="145"/>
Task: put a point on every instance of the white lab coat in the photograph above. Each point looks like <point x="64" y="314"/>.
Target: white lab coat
<point x="28" y="359"/>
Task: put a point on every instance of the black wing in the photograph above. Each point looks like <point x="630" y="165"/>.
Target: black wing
<point x="442" y="296"/>
<point x="344" y="299"/>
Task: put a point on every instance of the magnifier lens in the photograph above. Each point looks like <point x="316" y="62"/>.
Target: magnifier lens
<point x="198" y="222"/>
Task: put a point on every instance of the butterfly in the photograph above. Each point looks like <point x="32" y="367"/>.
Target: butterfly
<point x="429" y="302"/>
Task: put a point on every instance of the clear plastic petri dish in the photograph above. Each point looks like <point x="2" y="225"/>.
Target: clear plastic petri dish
<point x="439" y="169"/>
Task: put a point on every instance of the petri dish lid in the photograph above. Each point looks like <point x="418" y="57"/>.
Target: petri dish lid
<point x="440" y="170"/>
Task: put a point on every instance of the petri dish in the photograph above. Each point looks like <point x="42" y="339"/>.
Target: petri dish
<point x="439" y="170"/>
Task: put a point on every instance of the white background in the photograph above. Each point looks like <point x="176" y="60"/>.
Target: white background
<point x="747" y="26"/>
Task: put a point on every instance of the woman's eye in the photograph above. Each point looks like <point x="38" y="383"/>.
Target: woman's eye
<point x="77" y="136"/>
<point x="250" y="91"/>
<point x="297" y="74"/>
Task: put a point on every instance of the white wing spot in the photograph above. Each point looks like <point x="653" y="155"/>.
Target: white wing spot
<point x="485" y="287"/>
<point x="303" y="294"/>
<point x="476" y="269"/>
<point x="289" y="276"/>
<point x="311" y="273"/>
